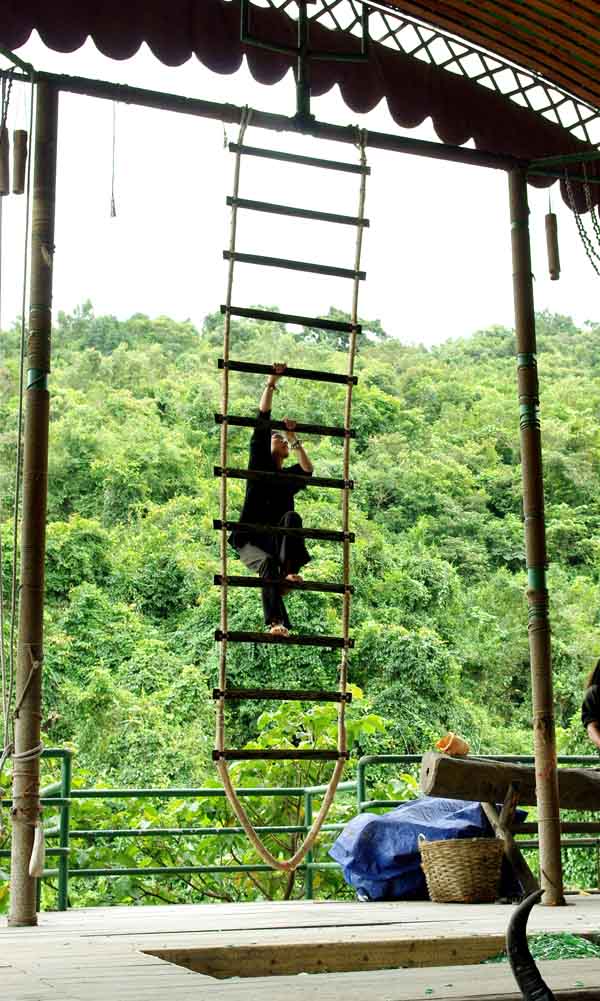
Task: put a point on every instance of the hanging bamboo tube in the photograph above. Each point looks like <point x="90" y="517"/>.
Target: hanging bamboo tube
<point x="544" y="737"/>
<point x="28" y="686"/>
<point x="19" y="161"/>
<point x="4" y="165"/>
<point x="552" y="246"/>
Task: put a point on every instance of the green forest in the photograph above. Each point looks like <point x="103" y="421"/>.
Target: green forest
<point x="439" y="614"/>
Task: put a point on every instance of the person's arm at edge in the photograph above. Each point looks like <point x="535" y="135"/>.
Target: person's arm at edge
<point x="593" y="732"/>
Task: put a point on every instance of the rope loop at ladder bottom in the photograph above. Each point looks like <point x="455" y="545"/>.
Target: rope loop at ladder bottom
<point x="292" y="863"/>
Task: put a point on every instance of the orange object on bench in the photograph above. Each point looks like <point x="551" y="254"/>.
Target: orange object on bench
<point x="455" y="746"/>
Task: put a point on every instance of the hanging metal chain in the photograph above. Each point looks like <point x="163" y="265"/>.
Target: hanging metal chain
<point x="6" y="89"/>
<point x="588" y="200"/>
<point x="588" y="245"/>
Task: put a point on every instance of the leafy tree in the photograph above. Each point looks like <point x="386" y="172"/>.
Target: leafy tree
<point x="439" y="612"/>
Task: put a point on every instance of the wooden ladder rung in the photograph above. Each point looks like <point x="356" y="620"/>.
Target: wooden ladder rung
<point x="305" y="585"/>
<point x="280" y="695"/>
<point x="276" y="755"/>
<point x="282" y="262"/>
<point x="271" y="315"/>
<point x="264" y="474"/>
<point x="290" y="373"/>
<point x="296" y="212"/>
<point x="295" y="639"/>
<point x="306" y="161"/>
<point x="251" y="422"/>
<point x="322" y="534"/>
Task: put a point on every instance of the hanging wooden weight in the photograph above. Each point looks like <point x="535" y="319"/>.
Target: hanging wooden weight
<point x="4" y="168"/>
<point x="552" y="246"/>
<point x="19" y="160"/>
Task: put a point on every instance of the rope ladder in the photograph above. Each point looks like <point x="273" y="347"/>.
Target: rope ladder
<point x="224" y="693"/>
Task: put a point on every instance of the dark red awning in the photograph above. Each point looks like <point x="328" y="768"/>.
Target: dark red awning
<point x="177" y="29"/>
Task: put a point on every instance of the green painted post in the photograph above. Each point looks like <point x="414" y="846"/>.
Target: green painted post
<point x="63" y="827"/>
<point x="308" y="819"/>
<point x="361" y="784"/>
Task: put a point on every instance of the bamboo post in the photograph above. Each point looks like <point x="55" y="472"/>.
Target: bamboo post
<point x="26" y="804"/>
<point x="19" y="161"/>
<point x="535" y="544"/>
<point x="4" y="161"/>
<point x="552" y="246"/>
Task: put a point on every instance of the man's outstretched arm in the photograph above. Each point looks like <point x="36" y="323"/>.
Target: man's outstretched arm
<point x="266" y="399"/>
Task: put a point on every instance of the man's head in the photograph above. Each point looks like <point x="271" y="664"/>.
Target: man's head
<point x="279" y="446"/>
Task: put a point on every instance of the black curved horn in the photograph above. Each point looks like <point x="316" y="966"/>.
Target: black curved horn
<point x="522" y="963"/>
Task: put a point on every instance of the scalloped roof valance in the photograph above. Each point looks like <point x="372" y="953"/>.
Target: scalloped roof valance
<point x="460" y="108"/>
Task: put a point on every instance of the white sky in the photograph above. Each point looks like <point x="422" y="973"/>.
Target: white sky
<point x="437" y="255"/>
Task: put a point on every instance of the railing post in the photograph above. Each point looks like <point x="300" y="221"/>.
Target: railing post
<point x="544" y="737"/>
<point x="64" y="826"/>
<point x="308" y="819"/>
<point x="361" y="785"/>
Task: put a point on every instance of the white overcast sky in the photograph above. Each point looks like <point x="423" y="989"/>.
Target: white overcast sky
<point x="437" y="255"/>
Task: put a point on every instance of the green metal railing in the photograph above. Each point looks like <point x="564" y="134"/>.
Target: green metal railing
<point x="61" y="795"/>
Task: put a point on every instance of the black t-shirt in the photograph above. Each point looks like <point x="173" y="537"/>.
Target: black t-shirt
<point x="266" y="501"/>
<point x="590" y="707"/>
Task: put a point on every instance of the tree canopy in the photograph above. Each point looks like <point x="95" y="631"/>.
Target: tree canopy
<point x="439" y="615"/>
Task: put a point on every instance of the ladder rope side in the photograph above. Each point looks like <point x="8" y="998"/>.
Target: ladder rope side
<point x="220" y="712"/>
<point x="352" y="344"/>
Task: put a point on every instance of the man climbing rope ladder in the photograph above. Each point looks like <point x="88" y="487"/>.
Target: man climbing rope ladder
<point x="275" y="557"/>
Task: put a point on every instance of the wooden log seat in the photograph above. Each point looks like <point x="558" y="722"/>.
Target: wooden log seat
<point x="481" y="781"/>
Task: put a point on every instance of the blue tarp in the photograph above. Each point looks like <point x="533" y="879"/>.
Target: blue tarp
<point x="379" y="854"/>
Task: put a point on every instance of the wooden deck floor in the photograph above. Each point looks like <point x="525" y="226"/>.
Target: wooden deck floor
<point x="109" y="954"/>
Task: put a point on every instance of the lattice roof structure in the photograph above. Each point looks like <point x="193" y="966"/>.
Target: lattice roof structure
<point x="513" y="78"/>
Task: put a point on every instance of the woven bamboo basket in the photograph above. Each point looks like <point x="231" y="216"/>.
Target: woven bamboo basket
<point x="462" y="870"/>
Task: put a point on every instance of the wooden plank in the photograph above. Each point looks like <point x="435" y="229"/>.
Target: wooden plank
<point x="332" y="955"/>
<point x="290" y="373"/>
<point x="304" y="585"/>
<point x="283" y="477"/>
<point x="293" y="639"/>
<point x="275" y="316"/>
<point x="327" y="430"/>
<point x="90" y="955"/>
<point x="487" y="781"/>
<point x="501" y="825"/>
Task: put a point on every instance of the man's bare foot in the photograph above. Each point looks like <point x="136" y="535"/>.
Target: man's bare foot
<point x="278" y="629"/>
<point x="294" y="578"/>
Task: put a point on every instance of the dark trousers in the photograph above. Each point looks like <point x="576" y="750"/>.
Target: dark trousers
<point x="273" y="559"/>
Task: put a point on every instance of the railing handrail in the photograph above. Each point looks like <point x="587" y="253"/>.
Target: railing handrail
<point x="358" y="786"/>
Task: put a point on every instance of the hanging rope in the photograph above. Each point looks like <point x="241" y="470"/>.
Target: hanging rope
<point x="222" y="767"/>
<point x="592" y="253"/>
<point x="8" y="656"/>
<point x="113" y="207"/>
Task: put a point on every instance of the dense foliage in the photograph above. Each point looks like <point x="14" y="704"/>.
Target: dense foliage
<point x="439" y="615"/>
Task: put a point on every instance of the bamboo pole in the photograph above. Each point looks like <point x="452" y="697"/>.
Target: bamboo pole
<point x="26" y="803"/>
<point x="535" y="544"/>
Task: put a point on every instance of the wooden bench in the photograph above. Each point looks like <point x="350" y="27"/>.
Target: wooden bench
<point x="492" y="782"/>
